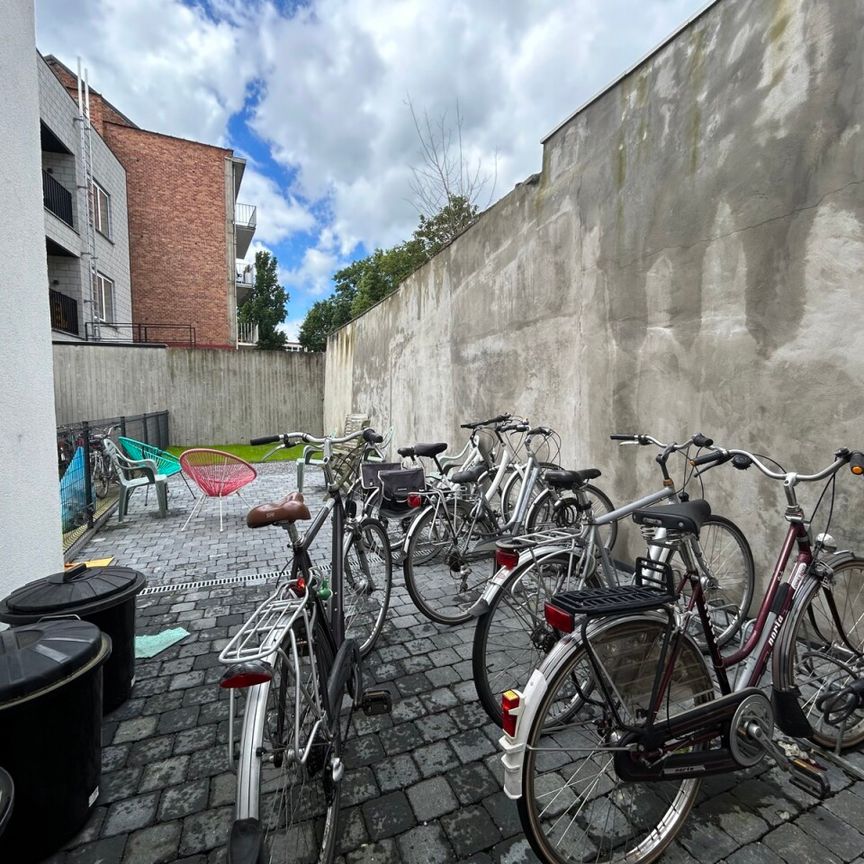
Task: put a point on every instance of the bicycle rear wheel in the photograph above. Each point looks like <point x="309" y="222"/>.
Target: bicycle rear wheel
<point x="821" y="651"/>
<point x="555" y="509"/>
<point x="574" y="806"/>
<point x="99" y="474"/>
<point x="367" y="579"/>
<point x="300" y="770"/>
<point x="443" y="586"/>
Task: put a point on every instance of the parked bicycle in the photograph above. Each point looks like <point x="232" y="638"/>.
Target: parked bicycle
<point x="606" y="745"/>
<point x="298" y="662"/>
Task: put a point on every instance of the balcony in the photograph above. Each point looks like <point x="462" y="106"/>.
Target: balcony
<point x="58" y="199"/>
<point x="245" y="279"/>
<point x="245" y="221"/>
<point x="64" y="312"/>
<point x="247" y="334"/>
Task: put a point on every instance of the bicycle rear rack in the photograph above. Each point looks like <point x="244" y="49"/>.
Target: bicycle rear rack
<point x="264" y="630"/>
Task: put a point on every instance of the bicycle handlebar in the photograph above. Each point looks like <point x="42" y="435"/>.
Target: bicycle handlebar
<point x="743" y="459"/>
<point x="501" y="418"/>
<point x="370" y="436"/>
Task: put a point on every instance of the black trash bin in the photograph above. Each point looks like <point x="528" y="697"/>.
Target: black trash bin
<point x="7" y="798"/>
<point x="104" y="596"/>
<point x="50" y="731"/>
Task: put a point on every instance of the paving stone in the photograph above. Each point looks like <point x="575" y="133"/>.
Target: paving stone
<point x="358" y="786"/>
<point x="409" y="708"/>
<point x="442" y="676"/>
<point x="117" y="785"/>
<point x="114" y="757"/>
<point x="848" y="807"/>
<point x="168" y="772"/>
<point x="162" y="703"/>
<point x="383" y="852"/>
<point x="352" y="830"/>
<point x="472" y="745"/>
<point x="223" y="789"/>
<point x="130" y="815"/>
<point x="470" y="830"/>
<point x="755" y="853"/>
<point x="190" y="740"/>
<point x="514" y="851"/>
<point x="363" y="751"/>
<point x="151" y="750"/>
<point x="705" y="841"/>
<point x="405" y="736"/>
<point x="207" y="830"/>
<point x="432" y="798"/>
<point x="504" y="813"/>
<point x="109" y="851"/>
<point x="439" y="700"/>
<point x="435" y="758"/>
<point x="135" y="730"/>
<point x="155" y="845"/>
<point x="388" y="815"/>
<point x="469" y="716"/>
<point x="184" y="800"/>
<point x="472" y="782"/>
<point x="186" y="680"/>
<point x="425" y="844"/>
<point x="411" y="685"/>
<point x="436" y="726"/>
<point x="794" y="845"/>
<point x="397" y="772"/>
<point x="208" y="763"/>
<point x="178" y="719"/>
<point x="835" y="835"/>
<point x="727" y="813"/>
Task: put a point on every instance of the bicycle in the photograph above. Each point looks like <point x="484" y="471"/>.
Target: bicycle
<point x="453" y="535"/>
<point x="512" y="637"/>
<point x="102" y="471"/>
<point x="300" y="668"/>
<point x="606" y="746"/>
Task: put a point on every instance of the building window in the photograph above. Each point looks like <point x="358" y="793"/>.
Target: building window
<point x="103" y="297"/>
<point x="101" y="210"/>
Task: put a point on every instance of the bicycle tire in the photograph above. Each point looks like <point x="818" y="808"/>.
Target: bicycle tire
<point x="367" y="580"/>
<point x="299" y="802"/>
<point x="509" y="642"/>
<point x="551" y="509"/>
<point x="728" y="564"/>
<point x="99" y="478"/>
<point x="573" y="816"/>
<point x="814" y="658"/>
<point x="512" y="486"/>
<point x="437" y="590"/>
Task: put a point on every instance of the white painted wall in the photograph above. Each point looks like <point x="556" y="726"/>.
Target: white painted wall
<point x="30" y="537"/>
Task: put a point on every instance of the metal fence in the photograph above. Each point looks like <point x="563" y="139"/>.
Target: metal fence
<point x="88" y="485"/>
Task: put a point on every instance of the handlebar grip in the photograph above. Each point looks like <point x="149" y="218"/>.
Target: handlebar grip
<point x="856" y="462"/>
<point x="499" y="419"/>
<point x="707" y="459"/>
<point x="267" y="439"/>
<point x="701" y="440"/>
<point x="466" y="425"/>
<point x="540" y="430"/>
<point x="618" y="437"/>
<point x="370" y="436"/>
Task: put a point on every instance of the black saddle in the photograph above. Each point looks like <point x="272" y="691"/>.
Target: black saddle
<point x="472" y="475"/>
<point x="688" y="517"/>
<point x="570" y="479"/>
<point x="428" y="450"/>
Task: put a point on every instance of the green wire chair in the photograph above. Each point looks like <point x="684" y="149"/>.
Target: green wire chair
<point x="166" y="464"/>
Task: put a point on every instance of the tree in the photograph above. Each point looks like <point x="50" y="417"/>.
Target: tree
<point x="317" y="326"/>
<point x="436" y="232"/>
<point x="265" y="305"/>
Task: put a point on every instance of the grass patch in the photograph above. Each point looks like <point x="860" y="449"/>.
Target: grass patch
<point x="250" y="453"/>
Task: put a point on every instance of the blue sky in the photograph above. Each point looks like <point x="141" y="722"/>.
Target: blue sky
<point x="315" y="95"/>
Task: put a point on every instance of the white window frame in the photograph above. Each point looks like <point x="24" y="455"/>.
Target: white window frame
<point x="101" y="212"/>
<point x="103" y="287"/>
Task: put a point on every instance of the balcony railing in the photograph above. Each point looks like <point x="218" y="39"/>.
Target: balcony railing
<point x="245" y="215"/>
<point x="247" y="334"/>
<point x="57" y="198"/>
<point x="64" y="312"/>
<point x="174" y="335"/>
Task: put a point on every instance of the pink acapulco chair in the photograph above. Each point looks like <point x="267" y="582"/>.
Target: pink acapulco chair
<point x="217" y="475"/>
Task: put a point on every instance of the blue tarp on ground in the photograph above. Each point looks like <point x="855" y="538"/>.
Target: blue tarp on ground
<point x="73" y="501"/>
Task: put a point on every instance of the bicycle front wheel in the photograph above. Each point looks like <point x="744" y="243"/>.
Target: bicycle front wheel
<point x="444" y="586"/>
<point x="821" y="651"/>
<point x="299" y="791"/>
<point x="512" y="637"/>
<point x="574" y="806"/>
<point x="100" y="478"/>
<point x="726" y="560"/>
<point x="367" y="581"/>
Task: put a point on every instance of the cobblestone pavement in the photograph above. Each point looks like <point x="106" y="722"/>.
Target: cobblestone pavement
<point x="421" y="785"/>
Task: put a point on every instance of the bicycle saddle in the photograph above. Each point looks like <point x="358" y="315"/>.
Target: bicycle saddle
<point x="472" y="475"/>
<point x="569" y="479"/>
<point x="291" y="508"/>
<point x="428" y="450"/>
<point x="687" y="517"/>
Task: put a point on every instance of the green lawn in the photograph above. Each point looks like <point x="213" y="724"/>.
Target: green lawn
<point x="249" y="453"/>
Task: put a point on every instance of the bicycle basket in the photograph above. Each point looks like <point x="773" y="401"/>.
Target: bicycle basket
<point x="396" y="486"/>
<point x="345" y="465"/>
<point x="369" y="472"/>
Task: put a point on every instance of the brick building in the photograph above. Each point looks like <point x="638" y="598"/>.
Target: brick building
<point x="186" y="228"/>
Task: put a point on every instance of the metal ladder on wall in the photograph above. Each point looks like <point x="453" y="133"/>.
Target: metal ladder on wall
<point x="85" y="206"/>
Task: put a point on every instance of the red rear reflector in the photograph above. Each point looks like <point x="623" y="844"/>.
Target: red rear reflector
<point x="414" y="500"/>
<point x="509" y="701"/>
<point x="247" y="675"/>
<point x="559" y="619"/>
<point x="506" y="558"/>
<point x="300" y="585"/>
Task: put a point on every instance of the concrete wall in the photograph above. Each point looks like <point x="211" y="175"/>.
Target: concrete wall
<point x="30" y="544"/>
<point x="213" y="397"/>
<point x="689" y="258"/>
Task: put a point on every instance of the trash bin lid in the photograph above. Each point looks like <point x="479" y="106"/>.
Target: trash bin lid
<point x="7" y="795"/>
<point x="35" y="656"/>
<point x="78" y="590"/>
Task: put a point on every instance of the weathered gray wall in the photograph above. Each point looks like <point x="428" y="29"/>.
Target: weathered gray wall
<point x="214" y="397"/>
<point x="690" y="258"/>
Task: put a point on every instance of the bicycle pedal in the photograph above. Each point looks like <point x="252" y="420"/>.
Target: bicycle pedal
<point x="810" y="777"/>
<point x="377" y="702"/>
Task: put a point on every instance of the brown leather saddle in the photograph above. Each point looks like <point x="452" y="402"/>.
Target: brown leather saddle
<point x="290" y="509"/>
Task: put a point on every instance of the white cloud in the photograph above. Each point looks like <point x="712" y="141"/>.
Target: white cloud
<point x="312" y="277"/>
<point x="291" y="328"/>
<point x="333" y="78"/>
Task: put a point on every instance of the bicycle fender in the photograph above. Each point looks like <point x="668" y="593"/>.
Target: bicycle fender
<point x="412" y="528"/>
<point x="246" y="843"/>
